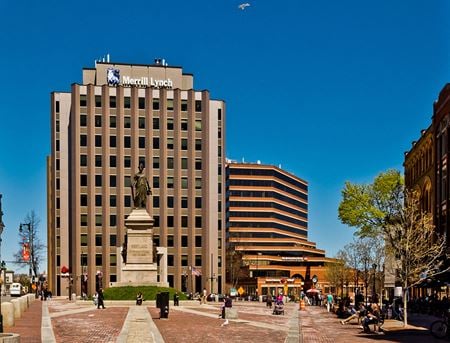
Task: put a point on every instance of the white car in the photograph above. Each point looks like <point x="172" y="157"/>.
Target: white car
<point x="15" y="290"/>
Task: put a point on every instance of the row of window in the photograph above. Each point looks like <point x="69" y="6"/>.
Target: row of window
<point x="267" y="184"/>
<point x="141" y="122"/>
<point x="141" y="104"/>
<point x="268" y="215"/>
<point x="267" y="194"/>
<point x="113" y="240"/>
<point x="127" y="142"/>
<point x="267" y="172"/>
<point x="268" y="204"/>
<point x="169" y="222"/>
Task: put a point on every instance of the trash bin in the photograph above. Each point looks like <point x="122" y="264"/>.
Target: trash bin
<point x="163" y="304"/>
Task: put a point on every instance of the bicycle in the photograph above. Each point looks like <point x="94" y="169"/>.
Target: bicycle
<point x="439" y="328"/>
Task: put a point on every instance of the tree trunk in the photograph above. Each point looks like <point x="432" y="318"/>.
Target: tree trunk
<point x="405" y="304"/>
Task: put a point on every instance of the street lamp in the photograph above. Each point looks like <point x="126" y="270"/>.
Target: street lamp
<point x="31" y="252"/>
<point x="374" y="266"/>
<point x="2" y="226"/>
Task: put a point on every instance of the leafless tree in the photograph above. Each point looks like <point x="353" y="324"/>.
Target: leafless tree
<point x="418" y="248"/>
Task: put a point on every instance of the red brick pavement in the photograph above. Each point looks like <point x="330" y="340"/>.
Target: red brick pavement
<point x="29" y="325"/>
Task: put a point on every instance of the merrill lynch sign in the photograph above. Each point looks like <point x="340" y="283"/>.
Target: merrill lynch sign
<point x="113" y="79"/>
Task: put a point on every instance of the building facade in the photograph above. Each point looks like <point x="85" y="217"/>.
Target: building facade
<point x="122" y="114"/>
<point x="267" y="228"/>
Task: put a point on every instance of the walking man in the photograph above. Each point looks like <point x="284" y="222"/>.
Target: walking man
<point x="100" y="299"/>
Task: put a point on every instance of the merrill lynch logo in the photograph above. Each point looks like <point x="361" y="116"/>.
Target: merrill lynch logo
<point x="113" y="79"/>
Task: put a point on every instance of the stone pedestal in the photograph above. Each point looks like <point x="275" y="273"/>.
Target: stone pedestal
<point x="139" y="269"/>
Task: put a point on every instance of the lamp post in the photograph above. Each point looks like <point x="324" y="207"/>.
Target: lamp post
<point x="374" y="266"/>
<point x="2" y="226"/>
<point x="31" y="252"/>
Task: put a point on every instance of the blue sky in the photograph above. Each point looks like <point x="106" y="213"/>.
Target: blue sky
<point x="330" y="90"/>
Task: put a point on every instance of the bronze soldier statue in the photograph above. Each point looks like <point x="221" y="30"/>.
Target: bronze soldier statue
<point x="140" y="188"/>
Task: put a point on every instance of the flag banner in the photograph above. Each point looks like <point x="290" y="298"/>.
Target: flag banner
<point x="196" y="272"/>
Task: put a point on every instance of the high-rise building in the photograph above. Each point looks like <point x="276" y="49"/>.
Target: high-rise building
<point x="101" y="129"/>
<point x="267" y="228"/>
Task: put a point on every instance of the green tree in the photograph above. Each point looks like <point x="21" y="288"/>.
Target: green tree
<point x="368" y="207"/>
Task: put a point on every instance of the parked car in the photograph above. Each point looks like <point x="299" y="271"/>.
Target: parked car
<point x="16" y="289"/>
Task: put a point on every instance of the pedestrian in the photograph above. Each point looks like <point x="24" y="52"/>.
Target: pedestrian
<point x="204" y="294"/>
<point x="176" y="299"/>
<point x="100" y="297"/>
<point x="329" y="301"/>
<point x="139" y="298"/>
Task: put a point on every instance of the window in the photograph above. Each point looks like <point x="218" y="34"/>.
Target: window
<point x="155" y="104"/>
<point x="198" y="241"/>
<point x="127" y="122"/>
<point x="170" y="260"/>
<point x="219" y="114"/>
<point x="198" y="144"/>
<point x="83" y="180"/>
<point x="184" y="105"/>
<point x="155" y="123"/>
<point x="112" y="102"/>
<point x="112" y="161"/>
<point x="98" y="220"/>
<point x="57" y="106"/>
<point x="170" y="221"/>
<point x="98" y="121"/>
<point x="156" y="224"/>
<point x="98" y="101"/>
<point x="127" y="200"/>
<point x="169" y="104"/>
<point x="112" y="262"/>
<point x="127" y="181"/>
<point x="83" y="101"/>
<point x="57" y="164"/>
<point x="112" y="220"/>
<point x="83" y="160"/>
<point x="127" y="161"/>
<point x="83" y="220"/>
<point x="198" y="260"/>
<point x="198" y="125"/>
<point x="155" y="142"/>
<point x="198" y="183"/>
<point x="98" y="160"/>
<point x="169" y="143"/>
<point x="142" y="142"/>
<point x="198" y="164"/>
<point x="170" y="240"/>
<point x="127" y="141"/>
<point x="141" y="103"/>
<point x="83" y="140"/>
<point x="112" y="201"/>
<point x="112" y="121"/>
<point x="184" y="144"/>
<point x="98" y="259"/>
<point x="127" y="102"/>
<point x="184" y="183"/>
<point x="83" y="240"/>
<point x="112" y="181"/>
<point x="156" y="201"/>
<point x="198" y="222"/>
<point x="112" y="240"/>
<point x="112" y="141"/>
<point x="98" y="240"/>
<point x="198" y="105"/>
<point x="83" y="200"/>
<point x="184" y="221"/>
<point x="98" y="140"/>
<point x="184" y="124"/>
<point x="155" y="181"/>
<point x="184" y="241"/>
<point x="98" y="180"/>
<point x="184" y="163"/>
<point x="169" y="162"/>
<point x="98" y="200"/>
<point x="156" y="162"/>
<point x="169" y="123"/>
<point x="170" y="202"/>
<point x="184" y="260"/>
<point x="198" y="202"/>
<point x="83" y="120"/>
<point x="142" y="122"/>
<point x="184" y="202"/>
<point x="170" y="182"/>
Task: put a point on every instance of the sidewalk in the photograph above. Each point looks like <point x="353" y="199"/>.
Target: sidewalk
<point x="191" y="322"/>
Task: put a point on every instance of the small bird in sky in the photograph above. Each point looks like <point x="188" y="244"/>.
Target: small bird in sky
<point x="243" y="6"/>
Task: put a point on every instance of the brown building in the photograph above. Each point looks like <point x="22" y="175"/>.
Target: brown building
<point x="101" y="129"/>
<point x="267" y="227"/>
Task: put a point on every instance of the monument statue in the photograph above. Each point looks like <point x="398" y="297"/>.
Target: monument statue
<point x="140" y="188"/>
